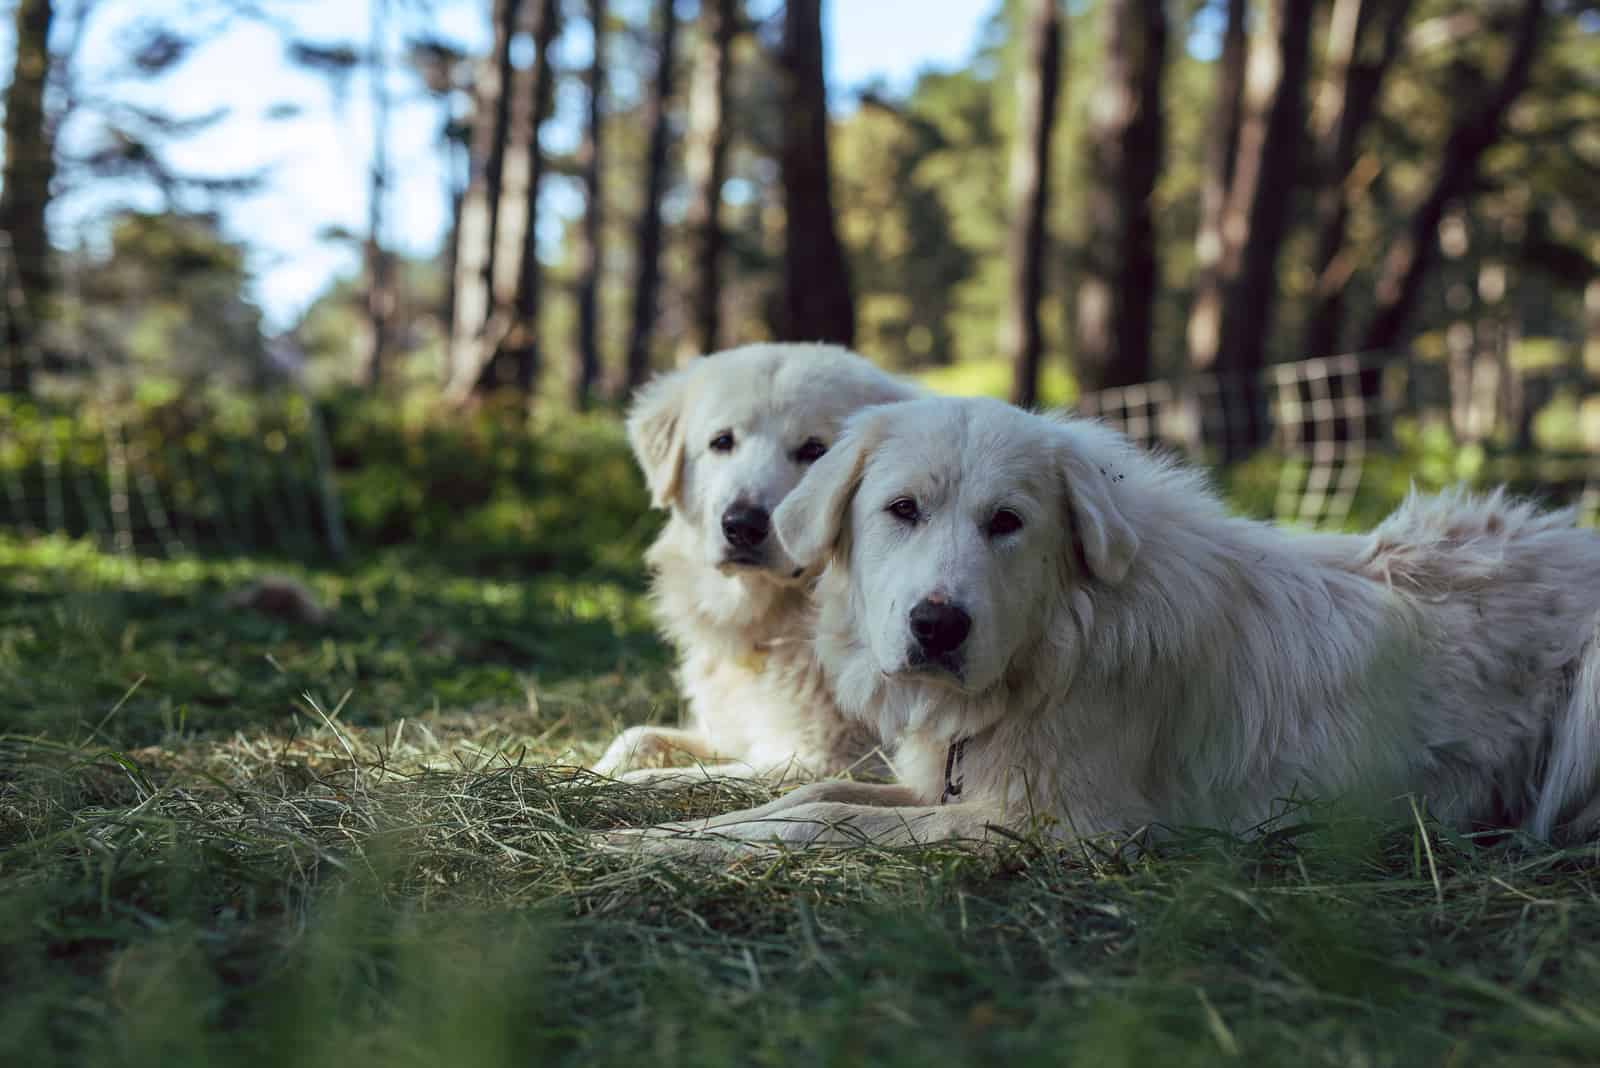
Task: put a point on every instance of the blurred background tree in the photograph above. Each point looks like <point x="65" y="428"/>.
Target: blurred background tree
<point x="1194" y="185"/>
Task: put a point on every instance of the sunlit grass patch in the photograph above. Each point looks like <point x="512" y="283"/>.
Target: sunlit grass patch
<point x="992" y="378"/>
<point x="138" y="650"/>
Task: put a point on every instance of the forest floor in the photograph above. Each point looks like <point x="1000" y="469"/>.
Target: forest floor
<point x="232" y="838"/>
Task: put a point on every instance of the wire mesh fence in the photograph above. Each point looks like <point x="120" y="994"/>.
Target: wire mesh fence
<point x="248" y="473"/>
<point x="1329" y="417"/>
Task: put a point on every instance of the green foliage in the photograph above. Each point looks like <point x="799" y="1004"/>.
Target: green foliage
<point x="333" y="330"/>
<point x="167" y="299"/>
<point x="491" y="490"/>
<point x="992" y="378"/>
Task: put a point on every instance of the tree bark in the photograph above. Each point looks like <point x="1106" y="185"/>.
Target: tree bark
<point x="1116" y="297"/>
<point x="1361" y="49"/>
<point x="1038" y="81"/>
<point x="380" y="296"/>
<point x="647" y="266"/>
<point x="514" y="332"/>
<point x="1256" y="216"/>
<point x="1408" y="260"/>
<point x="706" y="163"/>
<point x="1263" y="178"/>
<point x="25" y="282"/>
<point x="1227" y="114"/>
<point x="590" y="256"/>
<point x="818" y="305"/>
<point x="479" y="226"/>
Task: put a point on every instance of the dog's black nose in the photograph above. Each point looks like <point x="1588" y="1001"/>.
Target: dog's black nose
<point x="745" y="527"/>
<point x="939" y="626"/>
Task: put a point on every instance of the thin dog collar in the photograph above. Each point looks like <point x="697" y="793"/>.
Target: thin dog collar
<point x="953" y="778"/>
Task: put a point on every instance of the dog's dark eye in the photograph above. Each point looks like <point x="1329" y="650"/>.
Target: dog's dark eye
<point x="810" y="452"/>
<point x="723" y="442"/>
<point x="1003" y="522"/>
<point x="903" y="508"/>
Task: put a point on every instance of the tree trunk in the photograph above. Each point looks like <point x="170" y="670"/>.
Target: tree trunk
<point x="1263" y="178"/>
<point x="1116" y="297"/>
<point x="818" y="305"/>
<point x="647" y="267"/>
<point x="1227" y="114"/>
<point x="1038" y="80"/>
<point x="455" y="197"/>
<point x="379" y="263"/>
<point x="1591" y="334"/>
<point x="590" y="257"/>
<point x="25" y="286"/>
<point x="514" y="331"/>
<point x="1361" y="49"/>
<point x="1257" y="215"/>
<point x="706" y="164"/>
<point x="1408" y="259"/>
<point x="479" y="226"/>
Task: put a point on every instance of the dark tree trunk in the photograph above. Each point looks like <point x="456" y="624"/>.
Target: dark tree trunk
<point x="381" y="296"/>
<point x="1256" y="217"/>
<point x="1116" y="296"/>
<point x="706" y="164"/>
<point x="1362" y="46"/>
<point x="1038" y="82"/>
<point x="1222" y="152"/>
<point x="1263" y="178"/>
<point x="516" y="354"/>
<point x="456" y="197"/>
<point x="25" y="285"/>
<point x="1409" y="258"/>
<point x="647" y="268"/>
<point x="479" y="226"/>
<point x="818" y="305"/>
<point x="590" y="257"/>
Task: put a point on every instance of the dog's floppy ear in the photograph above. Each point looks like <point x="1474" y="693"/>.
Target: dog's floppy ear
<point x="810" y="521"/>
<point x="1108" y="541"/>
<point x="656" y="433"/>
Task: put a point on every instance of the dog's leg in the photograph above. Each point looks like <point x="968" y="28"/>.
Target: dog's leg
<point x="785" y="774"/>
<point x="1574" y="764"/>
<point x="814" y="822"/>
<point x="833" y="792"/>
<point x="640" y="745"/>
<point x="855" y="794"/>
<point x="677" y="776"/>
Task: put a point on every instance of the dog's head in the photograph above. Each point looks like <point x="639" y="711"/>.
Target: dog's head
<point x="960" y="524"/>
<point x="723" y="440"/>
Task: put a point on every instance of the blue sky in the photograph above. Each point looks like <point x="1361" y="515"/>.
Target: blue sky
<point x="318" y="159"/>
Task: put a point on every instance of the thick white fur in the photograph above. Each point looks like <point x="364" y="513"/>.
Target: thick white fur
<point x="758" y="702"/>
<point x="1139" y="657"/>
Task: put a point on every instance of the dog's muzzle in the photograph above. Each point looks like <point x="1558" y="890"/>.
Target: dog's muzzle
<point x="744" y="531"/>
<point x="939" y="629"/>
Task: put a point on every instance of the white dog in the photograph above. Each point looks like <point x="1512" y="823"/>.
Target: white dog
<point x="1052" y="623"/>
<point x="721" y="442"/>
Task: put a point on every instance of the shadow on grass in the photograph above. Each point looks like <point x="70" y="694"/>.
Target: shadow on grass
<point x="138" y="651"/>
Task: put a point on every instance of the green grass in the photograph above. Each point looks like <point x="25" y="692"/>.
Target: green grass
<point x="992" y="378"/>
<point x="227" y="838"/>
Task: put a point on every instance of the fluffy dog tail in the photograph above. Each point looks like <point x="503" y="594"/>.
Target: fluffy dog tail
<point x="1573" y="766"/>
